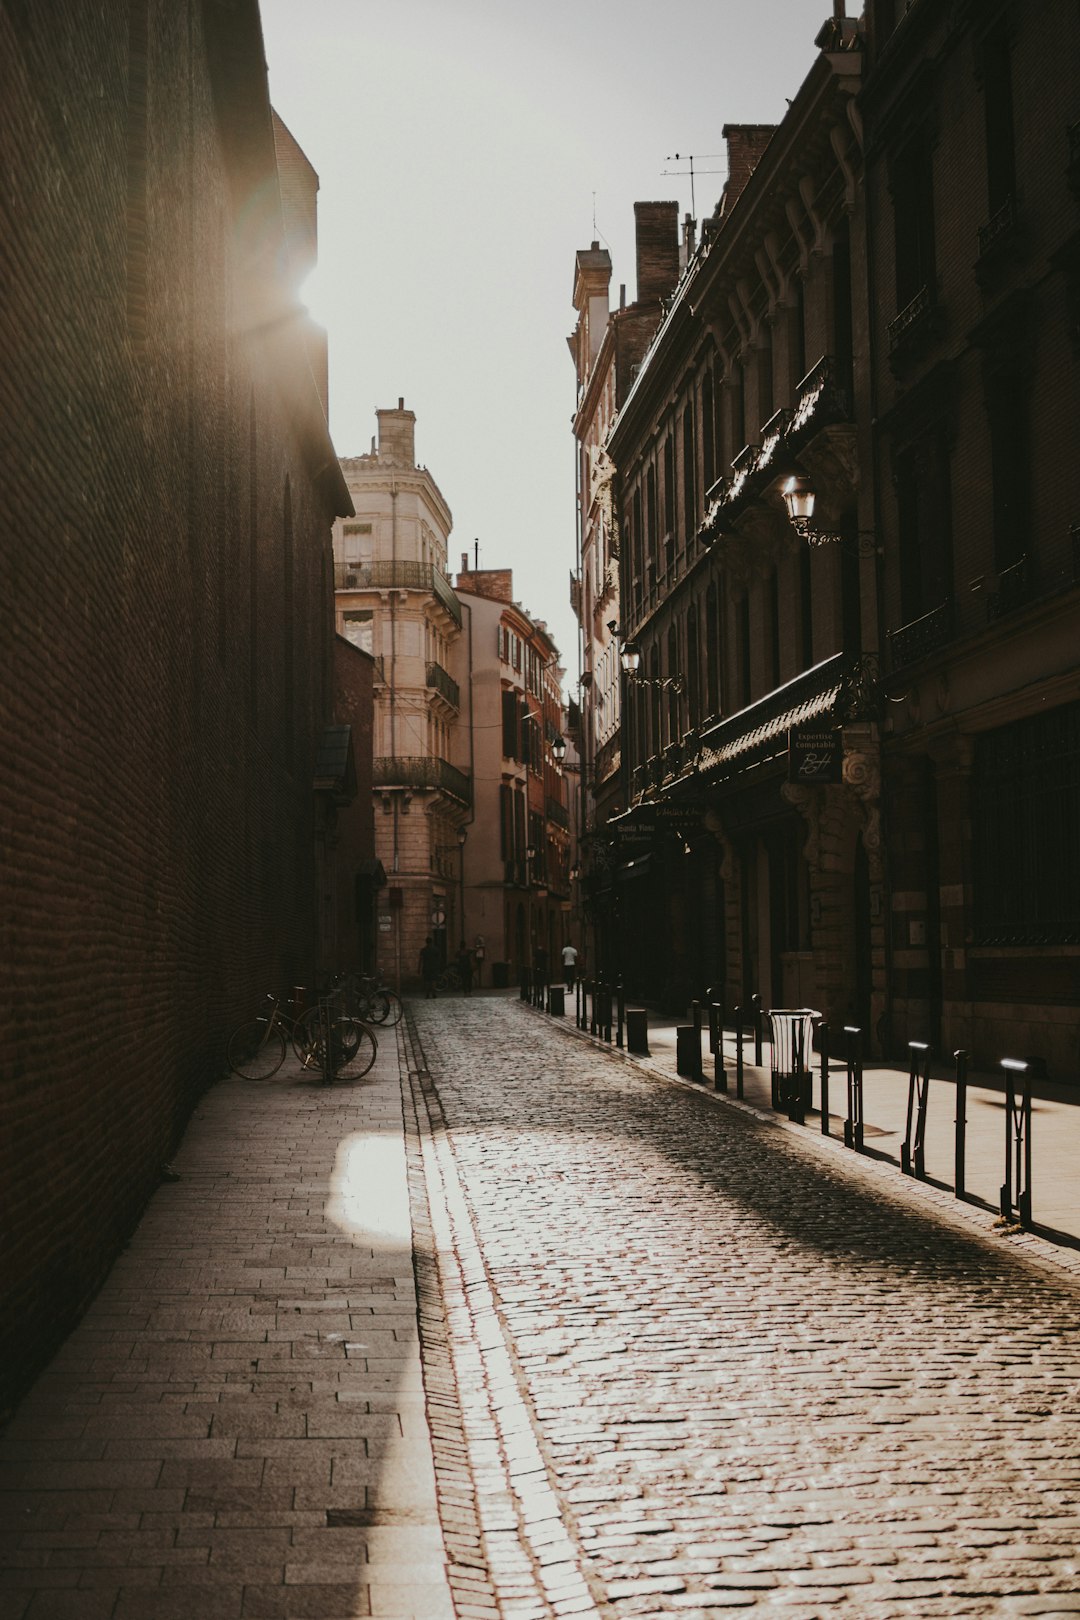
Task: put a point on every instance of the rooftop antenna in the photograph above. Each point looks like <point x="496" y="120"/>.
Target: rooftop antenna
<point x="476" y="556"/>
<point x="688" y="157"/>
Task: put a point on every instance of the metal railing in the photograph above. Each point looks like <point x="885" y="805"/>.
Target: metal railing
<point x="439" y="681"/>
<point x="922" y="636"/>
<point x="398" y="576"/>
<point x="421" y="771"/>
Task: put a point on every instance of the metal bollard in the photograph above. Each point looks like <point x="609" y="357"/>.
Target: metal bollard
<point x="620" y="1011"/>
<point x="1016" y="1192"/>
<point x="738" y="1052"/>
<point x="592" y="1006"/>
<point x="606" y="1012"/>
<point x="913" y="1147"/>
<point x="960" y="1151"/>
<point x="853" y="1125"/>
<point x="823" y="1049"/>
<point x="755" y="1002"/>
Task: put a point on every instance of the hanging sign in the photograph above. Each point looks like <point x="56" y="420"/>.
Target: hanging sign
<point x="815" y="754"/>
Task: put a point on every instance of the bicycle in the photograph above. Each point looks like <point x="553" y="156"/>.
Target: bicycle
<point x="369" y="1000"/>
<point x="449" y="979"/>
<point x="256" y="1050"/>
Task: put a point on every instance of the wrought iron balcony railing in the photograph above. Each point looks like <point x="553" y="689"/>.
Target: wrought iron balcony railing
<point x="439" y="681"/>
<point x="820" y="400"/>
<point x="422" y="771"/>
<point x="999" y="229"/>
<point x="922" y="636"/>
<point x="913" y="320"/>
<point x="398" y="576"/>
<point x="1014" y="590"/>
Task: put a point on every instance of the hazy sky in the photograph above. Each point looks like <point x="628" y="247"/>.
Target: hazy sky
<point x="464" y="148"/>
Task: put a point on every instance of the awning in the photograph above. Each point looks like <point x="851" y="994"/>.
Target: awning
<point x="737" y="752"/>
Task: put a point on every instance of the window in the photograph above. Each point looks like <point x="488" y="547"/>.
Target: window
<point x="842" y="340"/>
<point x="689" y="451"/>
<point x="1025" y="806"/>
<point x="693" y="671"/>
<point x="743" y="649"/>
<point x="652" y="537"/>
<point x="708" y="433"/>
<point x="912" y="182"/>
<point x="669" y="502"/>
<point x="510" y="740"/>
<point x="923" y="502"/>
<point x="998" y="108"/>
<point x="712" y="648"/>
<point x="1010" y="463"/>
<point x="359" y="628"/>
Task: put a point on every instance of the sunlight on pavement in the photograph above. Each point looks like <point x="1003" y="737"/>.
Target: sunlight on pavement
<point x="368" y="1191"/>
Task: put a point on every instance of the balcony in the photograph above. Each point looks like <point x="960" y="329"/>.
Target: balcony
<point x="820" y="402"/>
<point x="1015" y="590"/>
<point x="397" y="576"/>
<point x="922" y="636"/>
<point x="997" y="238"/>
<point x="773" y="436"/>
<point x="557" y="813"/>
<point x="419" y="771"/>
<point x="439" y="681"/>
<point x="917" y="324"/>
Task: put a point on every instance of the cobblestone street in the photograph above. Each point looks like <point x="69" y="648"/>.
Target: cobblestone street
<point x="517" y="1329"/>
<point x="761" y="1374"/>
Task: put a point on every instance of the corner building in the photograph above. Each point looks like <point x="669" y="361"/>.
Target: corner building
<point x="393" y="600"/>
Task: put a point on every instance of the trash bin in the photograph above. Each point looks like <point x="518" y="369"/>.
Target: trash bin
<point x="500" y="975"/>
<point x="556" y="1001"/>
<point x="792" y="1032"/>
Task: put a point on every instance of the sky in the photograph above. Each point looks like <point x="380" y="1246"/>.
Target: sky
<point x="466" y="149"/>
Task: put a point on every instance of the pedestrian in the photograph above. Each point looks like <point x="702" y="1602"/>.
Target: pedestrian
<point x="464" y="965"/>
<point x="569" y="964"/>
<point x="429" y="968"/>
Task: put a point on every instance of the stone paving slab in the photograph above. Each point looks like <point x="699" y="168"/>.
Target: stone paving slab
<point x="249" y="1371"/>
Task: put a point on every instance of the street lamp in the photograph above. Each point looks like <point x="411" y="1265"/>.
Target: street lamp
<point x="799" y="497"/>
<point x="630" y="659"/>
<point x="558" y="748"/>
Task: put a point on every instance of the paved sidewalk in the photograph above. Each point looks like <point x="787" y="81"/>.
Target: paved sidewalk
<point x="1055" y="1130"/>
<point x="237" y="1427"/>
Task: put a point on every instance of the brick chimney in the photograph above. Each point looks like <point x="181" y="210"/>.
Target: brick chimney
<point x="657" y="231"/>
<point x="397" y="436"/>
<point x="745" y="145"/>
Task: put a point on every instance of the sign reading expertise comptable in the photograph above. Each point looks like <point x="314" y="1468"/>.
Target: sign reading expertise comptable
<point x="815" y="754"/>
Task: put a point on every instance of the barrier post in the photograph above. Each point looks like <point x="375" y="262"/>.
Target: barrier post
<point x="738" y="1052"/>
<point x="960" y="1151"/>
<point x="823" y="1049"/>
<point x="853" y="1125"/>
<point x="620" y="1011"/>
<point x="755" y="1002"/>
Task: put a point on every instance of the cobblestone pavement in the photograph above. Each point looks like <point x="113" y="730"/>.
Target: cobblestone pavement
<point x="692" y="1361"/>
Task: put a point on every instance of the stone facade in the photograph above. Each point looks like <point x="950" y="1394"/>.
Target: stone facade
<point x="516" y="855"/>
<point x="393" y="600"/>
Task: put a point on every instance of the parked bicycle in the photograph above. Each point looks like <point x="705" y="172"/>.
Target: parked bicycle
<point x="368" y="999"/>
<point x="256" y="1050"/>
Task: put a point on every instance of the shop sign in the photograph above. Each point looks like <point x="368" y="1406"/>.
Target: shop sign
<point x="815" y="754"/>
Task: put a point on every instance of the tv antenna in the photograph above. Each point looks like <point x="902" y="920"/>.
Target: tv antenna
<point x="689" y="157"/>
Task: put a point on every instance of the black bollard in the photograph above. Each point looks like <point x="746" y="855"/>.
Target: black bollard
<point x="823" y="1048"/>
<point x="960" y="1152"/>
<point x="755" y="1002"/>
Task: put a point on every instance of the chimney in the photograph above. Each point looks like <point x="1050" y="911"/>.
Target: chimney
<point x="745" y="145"/>
<point x="397" y="436"/>
<point x="657" y="232"/>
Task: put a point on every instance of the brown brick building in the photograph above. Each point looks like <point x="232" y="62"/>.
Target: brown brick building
<point x="166" y="581"/>
<point x="972" y="141"/>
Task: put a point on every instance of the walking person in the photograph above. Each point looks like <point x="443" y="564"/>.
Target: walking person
<point x="569" y="964"/>
<point x="429" y="968"/>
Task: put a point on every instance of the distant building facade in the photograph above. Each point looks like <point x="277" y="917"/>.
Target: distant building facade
<point x="393" y="601"/>
<point x="515" y="869"/>
<point x="166" y="574"/>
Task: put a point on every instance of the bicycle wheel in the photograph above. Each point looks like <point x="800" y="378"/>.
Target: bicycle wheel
<point x="378" y="1008"/>
<point x="360" y="1057"/>
<point x="346" y="1039"/>
<point x="394" y="1008"/>
<point x="256" y="1050"/>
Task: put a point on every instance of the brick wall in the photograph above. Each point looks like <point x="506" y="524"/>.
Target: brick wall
<point x="164" y="568"/>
